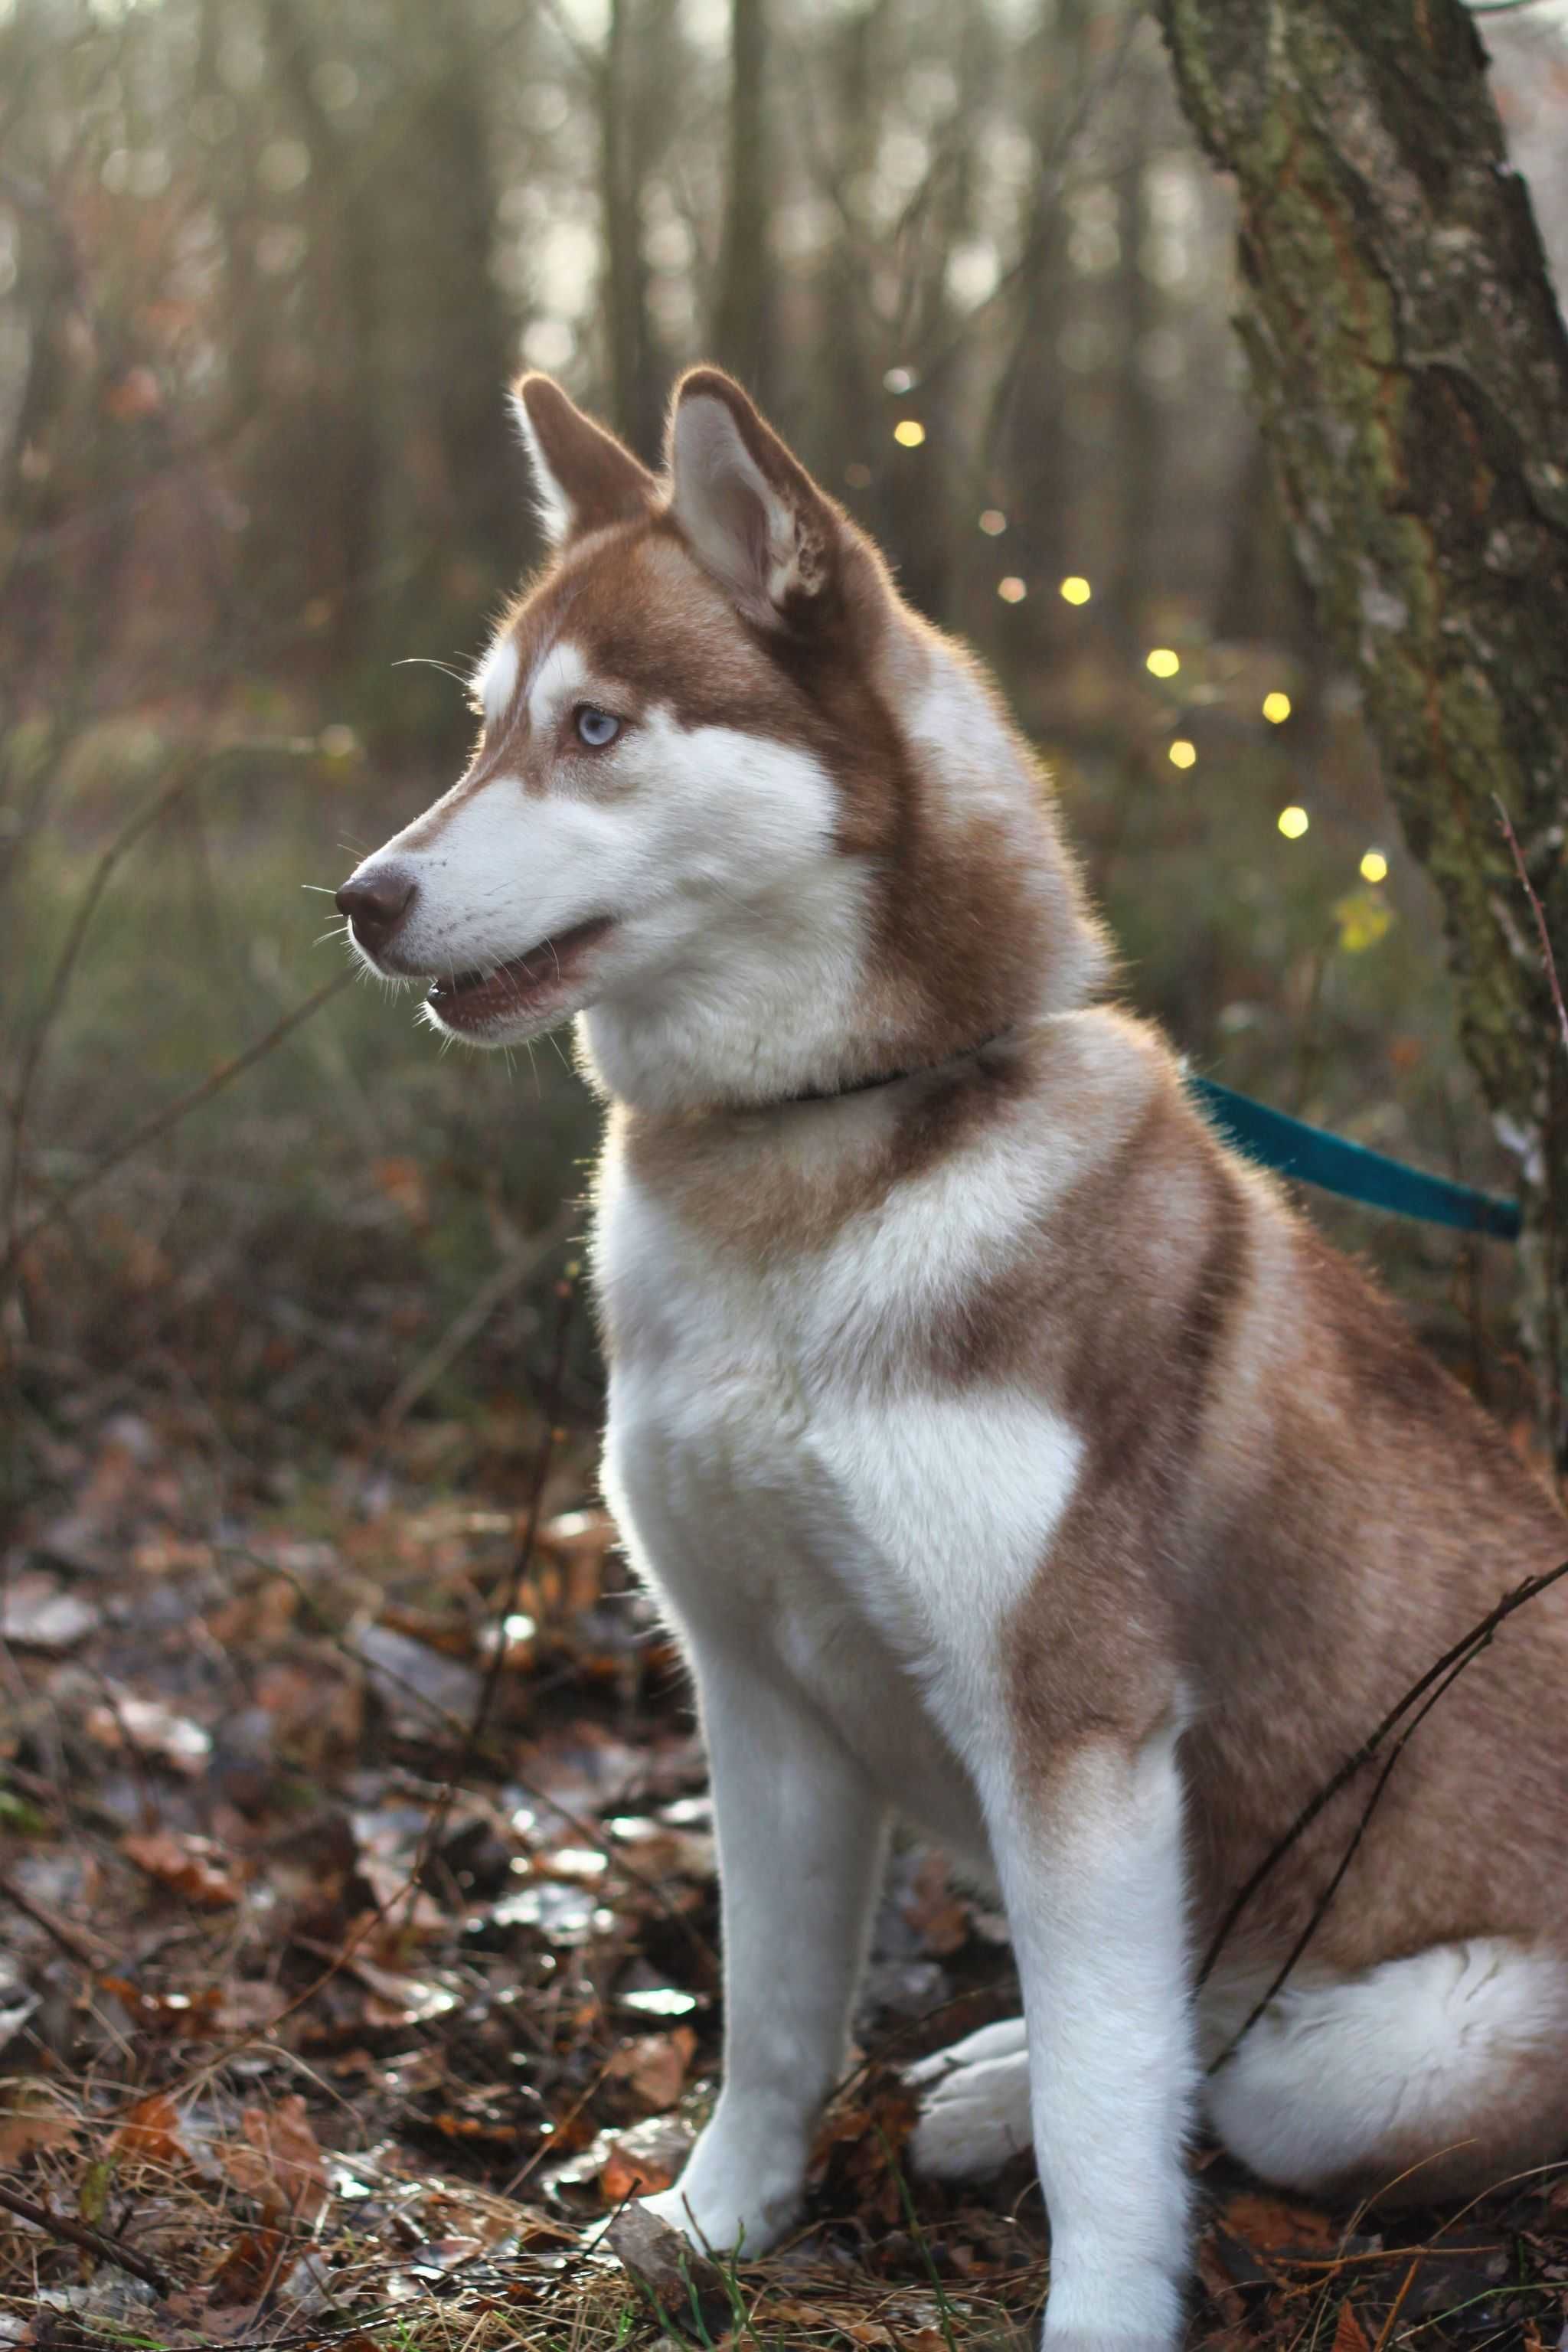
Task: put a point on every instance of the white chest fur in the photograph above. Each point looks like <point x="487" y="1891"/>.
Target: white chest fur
<point x="790" y="1476"/>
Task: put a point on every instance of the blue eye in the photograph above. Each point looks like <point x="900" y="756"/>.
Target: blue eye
<point x="596" y="728"/>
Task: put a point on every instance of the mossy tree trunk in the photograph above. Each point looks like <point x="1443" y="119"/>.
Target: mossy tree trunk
<point x="1411" y="368"/>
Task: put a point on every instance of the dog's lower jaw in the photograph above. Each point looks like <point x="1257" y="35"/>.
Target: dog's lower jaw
<point x="743" y="2186"/>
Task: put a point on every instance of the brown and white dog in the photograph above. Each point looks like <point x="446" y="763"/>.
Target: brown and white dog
<point x="1010" y="1456"/>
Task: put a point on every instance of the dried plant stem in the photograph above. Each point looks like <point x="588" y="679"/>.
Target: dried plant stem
<point x="90" y="2241"/>
<point x="142" y="821"/>
<point x="522" y="1556"/>
<point x="510" y="1276"/>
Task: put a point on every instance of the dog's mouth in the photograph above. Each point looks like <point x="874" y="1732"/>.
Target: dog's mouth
<point x="520" y="988"/>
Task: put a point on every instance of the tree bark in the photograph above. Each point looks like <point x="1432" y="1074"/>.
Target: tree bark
<point x="1411" y="369"/>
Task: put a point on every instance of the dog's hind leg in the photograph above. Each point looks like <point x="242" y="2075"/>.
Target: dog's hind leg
<point x="1423" y="2078"/>
<point x="974" y="2104"/>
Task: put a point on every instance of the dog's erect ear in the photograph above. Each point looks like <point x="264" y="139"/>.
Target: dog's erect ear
<point x="752" y="514"/>
<point x="583" y="477"/>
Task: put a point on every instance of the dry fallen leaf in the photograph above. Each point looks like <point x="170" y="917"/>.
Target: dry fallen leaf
<point x="151" y="2133"/>
<point x="653" y="2067"/>
<point x="1269" y="2224"/>
<point x="194" y="1866"/>
<point x="579" y="1543"/>
<point x="151" y="1728"/>
<point x="280" y="2163"/>
<point x="645" y="2158"/>
<point x="31" y="2118"/>
<point x="1349" y="2336"/>
<point x="38" y="1614"/>
<point x="935" y="1909"/>
<point x="246" y="2266"/>
<point x="171" y="2012"/>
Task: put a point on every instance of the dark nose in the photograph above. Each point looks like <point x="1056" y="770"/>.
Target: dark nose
<point x="377" y="903"/>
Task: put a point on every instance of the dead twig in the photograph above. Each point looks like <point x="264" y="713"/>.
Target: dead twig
<point x="90" y="2241"/>
<point x="1428" y="1689"/>
<point x="66" y="1938"/>
<point x="1547" y="958"/>
<point x="510" y="1276"/>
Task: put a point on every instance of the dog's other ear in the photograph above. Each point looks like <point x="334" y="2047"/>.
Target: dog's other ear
<point x="751" y="514"/>
<point x="583" y="477"/>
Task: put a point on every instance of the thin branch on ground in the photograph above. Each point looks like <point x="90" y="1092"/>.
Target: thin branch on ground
<point x="90" y="2241"/>
<point x="69" y="1942"/>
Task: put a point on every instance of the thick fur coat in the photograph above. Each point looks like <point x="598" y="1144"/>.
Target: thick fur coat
<point x="1010" y="1456"/>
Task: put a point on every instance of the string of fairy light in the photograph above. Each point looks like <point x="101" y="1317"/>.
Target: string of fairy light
<point x="1162" y="662"/>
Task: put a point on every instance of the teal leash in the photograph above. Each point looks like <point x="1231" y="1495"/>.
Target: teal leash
<point x="1311" y="1155"/>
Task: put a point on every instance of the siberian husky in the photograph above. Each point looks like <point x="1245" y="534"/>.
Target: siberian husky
<point x="1010" y="1456"/>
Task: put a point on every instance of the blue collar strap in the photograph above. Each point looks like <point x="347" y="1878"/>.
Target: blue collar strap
<point x="1310" y="1156"/>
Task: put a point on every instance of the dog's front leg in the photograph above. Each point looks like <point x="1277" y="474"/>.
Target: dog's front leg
<point x="800" y="1851"/>
<point x="1088" y="1849"/>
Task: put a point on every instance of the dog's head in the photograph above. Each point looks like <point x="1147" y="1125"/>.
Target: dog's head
<point x="696" y="773"/>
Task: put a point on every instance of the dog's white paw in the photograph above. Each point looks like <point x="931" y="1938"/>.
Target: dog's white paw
<point x="975" y="2104"/>
<point x="742" y="2189"/>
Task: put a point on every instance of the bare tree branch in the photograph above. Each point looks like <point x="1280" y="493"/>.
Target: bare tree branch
<point x="90" y="2241"/>
<point x="1429" y="1688"/>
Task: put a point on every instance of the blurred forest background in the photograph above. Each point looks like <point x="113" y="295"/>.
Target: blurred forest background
<point x="266" y="266"/>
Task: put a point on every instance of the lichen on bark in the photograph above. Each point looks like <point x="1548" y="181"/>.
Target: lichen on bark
<point x="1410" y="366"/>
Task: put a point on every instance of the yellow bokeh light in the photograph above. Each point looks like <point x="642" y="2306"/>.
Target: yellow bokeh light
<point x="1182" y="753"/>
<point x="1162" y="662"/>
<point x="1012" y="589"/>
<point x="909" y="432"/>
<point x="1277" y="707"/>
<point x="1375" y="866"/>
<point x="1074" y="590"/>
<point x="1293" y="822"/>
<point x="993" y="522"/>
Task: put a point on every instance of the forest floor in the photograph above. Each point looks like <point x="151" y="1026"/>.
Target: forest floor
<point x="357" y="1964"/>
